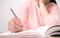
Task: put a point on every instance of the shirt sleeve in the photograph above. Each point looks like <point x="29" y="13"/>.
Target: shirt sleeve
<point x="52" y="18"/>
<point x="22" y="11"/>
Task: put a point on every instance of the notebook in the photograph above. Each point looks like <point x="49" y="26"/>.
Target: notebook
<point x="41" y="32"/>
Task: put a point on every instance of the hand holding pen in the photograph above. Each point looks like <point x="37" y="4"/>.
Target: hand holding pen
<point x="15" y="25"/>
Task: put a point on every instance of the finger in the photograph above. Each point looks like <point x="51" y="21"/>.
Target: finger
<point x="18" y="30"/>
<point x="18" y="27"/>
<point x="18" y="24"/>
<point x="14" y="21"/>
<point x="14" y="28"/>
<point x="17" y="21"/>
<point x="11" y="26"/>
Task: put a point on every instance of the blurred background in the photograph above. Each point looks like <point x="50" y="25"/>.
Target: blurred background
<point x="6" y="15"/>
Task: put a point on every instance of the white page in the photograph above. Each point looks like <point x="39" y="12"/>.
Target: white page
<point x="40" y="32"/>
<point x="25" y="34"/>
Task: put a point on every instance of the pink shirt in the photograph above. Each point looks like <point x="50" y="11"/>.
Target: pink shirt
<point x="29" y="14"/>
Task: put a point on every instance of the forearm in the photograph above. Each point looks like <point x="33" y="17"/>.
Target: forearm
<point x="44" y="12"/>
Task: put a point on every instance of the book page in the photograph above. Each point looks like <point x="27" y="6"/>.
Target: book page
<point x="39" y="33"/>
<point x="42" y="30"/>
<point x="25" y="34"/>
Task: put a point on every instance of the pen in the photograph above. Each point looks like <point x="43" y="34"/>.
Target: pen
<point x="13" y="12"/>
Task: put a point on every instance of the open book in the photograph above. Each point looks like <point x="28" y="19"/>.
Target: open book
<point x="41" y="32"/>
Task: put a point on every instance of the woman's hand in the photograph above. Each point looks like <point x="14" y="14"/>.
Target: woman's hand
<point x="43" y="9"/>
<point x="15" y="25"/>
<point x="45" y="1"/>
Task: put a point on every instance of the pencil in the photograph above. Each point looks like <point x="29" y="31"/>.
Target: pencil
<point x="13" y="12"/>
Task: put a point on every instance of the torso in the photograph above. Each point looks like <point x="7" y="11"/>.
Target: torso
<point x="34" y="19"/>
